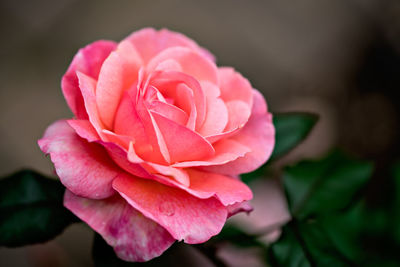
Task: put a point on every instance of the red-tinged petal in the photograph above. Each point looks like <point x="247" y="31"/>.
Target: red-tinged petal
<point x="84" y="168"/>
<point x="258" y="134"/>
<point x="182" y="143"/>
<point x="150" y="42"/>
<point x="234" y="86"/>
<point x="84" y="129"/>
<point x="217" y="112"/>
<point x="88" y="60"/>
<point x="191" y="62"/>
<point x="133" y="236"/>
<point x="239" y="113"/>
<point x="225" y="151"/>
<point x="184" y="216"/>
<point x="118" y="73"/>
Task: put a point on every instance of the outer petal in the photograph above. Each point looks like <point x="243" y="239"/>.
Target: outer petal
<point x="234" y="86"/>
<point x="150" y="42"/>
<point x="117" y="74"/>
<point x="88" y="60"/>
<point x="184" y="216"/>
<point x="133" y="236"/>
<point x="84" y="129"/>
<point x="258" y="134"/>
<point x="84" y="168"/>
<point x="227" y="189"/>
<point x="191" y="62"/>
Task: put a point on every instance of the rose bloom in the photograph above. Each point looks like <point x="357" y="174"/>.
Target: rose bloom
<point x="159" y="139"/>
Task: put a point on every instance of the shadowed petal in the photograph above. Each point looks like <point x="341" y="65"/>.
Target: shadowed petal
<point x="84" y="168"/>
<point x="133" y="236"/>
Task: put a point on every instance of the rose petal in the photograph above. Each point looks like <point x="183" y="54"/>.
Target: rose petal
<point x="182" y="143"/>
<point x="83" y="167"/>
<point x="227" y="189"/>
<point x="84" y="129"/>
<point x="191" y="62"/>
<point x="225" y="151"/>
<point x="150" y="42"/>
<point x="184" y="216"/>
<point x="217" y="112"/>
<point x="239" y="113"/>
<point x="88" y="60"/>
<point x="133" y="236"/>
<point x="173" y="84"/>
<point x="118" y="73"/>
<point x="234" y="86"/>
<point x="258" y="134"/>
<point x="169" y="111"/>
<point x="88" y="87"/>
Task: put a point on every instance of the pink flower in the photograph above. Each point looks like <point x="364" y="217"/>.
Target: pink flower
<point x="159" y="138"/>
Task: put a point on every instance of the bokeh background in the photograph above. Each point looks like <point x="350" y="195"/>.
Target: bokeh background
<point x="337" y="58"/>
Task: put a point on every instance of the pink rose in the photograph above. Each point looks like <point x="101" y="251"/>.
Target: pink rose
<point x="159" y="138"/>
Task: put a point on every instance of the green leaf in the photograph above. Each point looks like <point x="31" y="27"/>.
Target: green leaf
<point x="305" y="244"/>
<point x="31" y="209"/>
<point x="290" y="130"/>
<point x="323" y="186"/>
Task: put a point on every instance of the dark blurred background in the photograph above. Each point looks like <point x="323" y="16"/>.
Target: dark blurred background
<point x="339" y="59"/>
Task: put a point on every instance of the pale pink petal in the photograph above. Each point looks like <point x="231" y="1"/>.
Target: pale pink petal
<point x="225" y="151"/>
<point x="150" y="42"/>
<point x="88" y="60"/>
<point x="133" y="236"/>
<point x="182" y="143"/>
<point x="184" y="216"/>
<point x="84" y="129"/>
<point x="169" y="65"/>
<point x="118" y="73"/>
<point x="191" y="62"/>
<point x="258" y="134"/>
<point x="84" y="168"/>
<point x="217" y="112"/>
<point x="234" y="86"/>
<point x="239" y="113"/>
